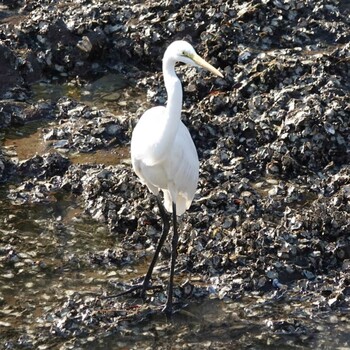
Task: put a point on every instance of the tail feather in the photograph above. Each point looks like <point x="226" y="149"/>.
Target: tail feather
<point x="182" y="203"/>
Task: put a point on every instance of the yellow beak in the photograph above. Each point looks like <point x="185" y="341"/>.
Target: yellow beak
<point x="204" y="64"/>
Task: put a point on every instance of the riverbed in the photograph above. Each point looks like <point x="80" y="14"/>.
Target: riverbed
<point x="264" y="251"/>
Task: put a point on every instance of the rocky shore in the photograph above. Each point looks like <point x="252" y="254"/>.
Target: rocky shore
<point x="270" y="221"/>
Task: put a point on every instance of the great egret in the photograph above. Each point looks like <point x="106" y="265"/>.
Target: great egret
<point x="164" y="156"/>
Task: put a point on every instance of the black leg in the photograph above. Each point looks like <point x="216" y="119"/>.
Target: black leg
<point x="165" y="231"/>
<point x="169" y="303"/>
<point x="145" y="284"/>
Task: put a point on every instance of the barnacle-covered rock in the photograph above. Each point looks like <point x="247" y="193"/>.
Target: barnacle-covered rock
<point x="268" y="228"/>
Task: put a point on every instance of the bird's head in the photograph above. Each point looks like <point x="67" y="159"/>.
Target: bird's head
<point x="182" y="51"/>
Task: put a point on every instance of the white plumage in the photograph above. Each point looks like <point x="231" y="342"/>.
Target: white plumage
<point x="164" y="156"/>
<point x="168" y="166"/>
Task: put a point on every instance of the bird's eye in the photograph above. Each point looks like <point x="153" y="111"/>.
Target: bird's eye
<point x="183" y="53"/>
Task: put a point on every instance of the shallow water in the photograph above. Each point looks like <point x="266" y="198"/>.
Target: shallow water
<point x="43" y="248"/>
<point x="109" y="92"/>
<point x="45" y="254"/>
<point x="30" y="142"/>
<point x="215" y="324"/>
<point x="26" y="142"/>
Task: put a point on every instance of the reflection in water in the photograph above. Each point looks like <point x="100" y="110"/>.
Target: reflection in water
<point x="31" y="143"/>
<point x="102" y="156"/>
<point x="108" y="92"/>
<point x="26" y="144"/>
<point x="45" y="252"/>
<point x="218" y="324"/>
<point x="45" y="256"/>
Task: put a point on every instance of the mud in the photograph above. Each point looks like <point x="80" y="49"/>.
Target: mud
<point x="264" y="254"/>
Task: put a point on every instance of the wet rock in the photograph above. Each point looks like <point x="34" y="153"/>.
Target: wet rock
<point x="271" y="217"/>
<point x="6" y="167"/>
<point x="15" y="113"/>
<point x="84" y="129"/>
<point x="42" y="179"/>
<point x="111" y="257"/>
<point x="44" y="167"/>
<point x="10" y="78"/>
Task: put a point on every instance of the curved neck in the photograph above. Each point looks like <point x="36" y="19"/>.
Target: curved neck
<point x="169" y="121"/>
<point x="174" y="91"/>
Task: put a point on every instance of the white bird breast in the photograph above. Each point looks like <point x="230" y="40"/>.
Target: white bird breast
<point x="171" y="167"/>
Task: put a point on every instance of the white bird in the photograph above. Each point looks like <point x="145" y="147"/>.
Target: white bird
<point x="164" y="156"/>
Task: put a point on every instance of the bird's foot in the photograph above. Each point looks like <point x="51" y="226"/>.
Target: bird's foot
<point x="176" y="307"/>
<point x="168" y="310"/>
